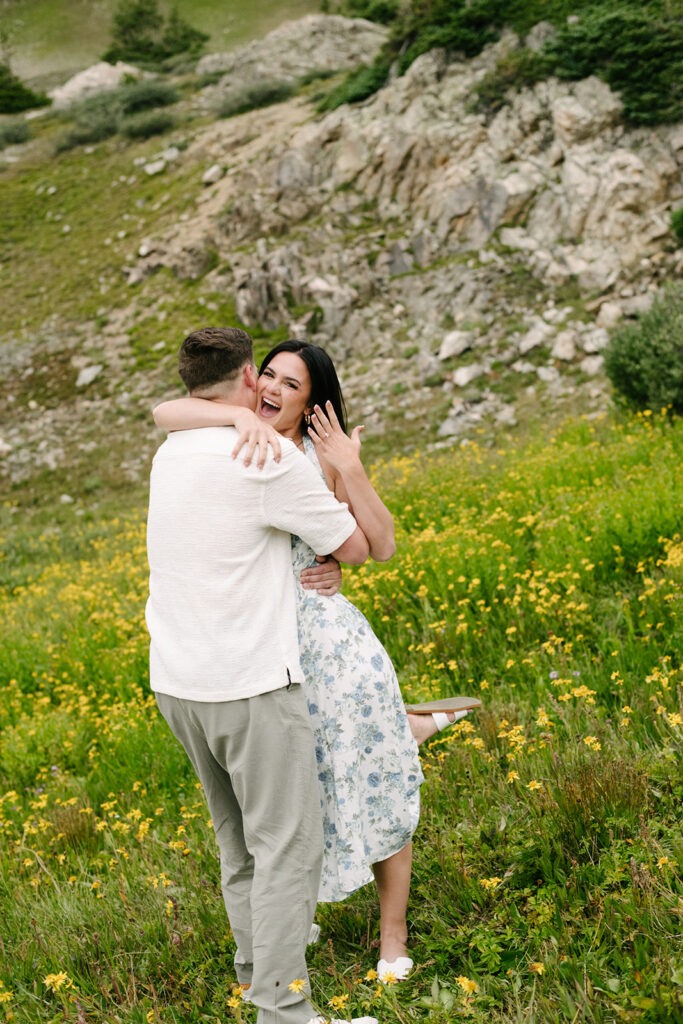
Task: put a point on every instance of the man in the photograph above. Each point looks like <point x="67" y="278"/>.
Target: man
<point x="224" y="662"/>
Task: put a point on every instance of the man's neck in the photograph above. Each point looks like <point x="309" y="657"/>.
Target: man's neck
<point x="240" y="398"/>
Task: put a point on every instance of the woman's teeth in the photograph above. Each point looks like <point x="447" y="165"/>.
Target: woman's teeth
<point x="267" y="407"/>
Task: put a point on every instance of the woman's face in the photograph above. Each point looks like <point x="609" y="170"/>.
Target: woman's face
<point x="283" y="391"/>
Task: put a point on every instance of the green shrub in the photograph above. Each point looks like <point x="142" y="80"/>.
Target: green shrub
<point x="96" y="119"/>
<point x="180" y="37"/>
<point x="635" y="45"/>
<point x="139" y="34"/>
<point x="148" y="123"/>
<point x="357" y="86"/>
<point x="383" y="11"/>
<point x="99" y="117"/>
<point x="252" y="97"/>
<point x="639" y="53"/>
<point x="14" y="132"/>
<point x="515" y="70"/>
<point x="316" y="75"/>
<point x="209" y="78"/>
<point x="15" y="96"/>
<point x="677" y="224"/>
<point x="145" y="95"/>
<point x="644" y="361"/>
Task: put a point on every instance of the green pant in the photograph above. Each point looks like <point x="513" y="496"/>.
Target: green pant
<point x="255" y="759"/>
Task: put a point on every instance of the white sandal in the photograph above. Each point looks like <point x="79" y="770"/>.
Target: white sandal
<point x="397" y="970"/>
<point x="447" y="704"/>
<point x="442" y="721"/>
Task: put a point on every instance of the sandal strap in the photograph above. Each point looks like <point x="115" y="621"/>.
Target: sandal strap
<point x="447" y="704"/>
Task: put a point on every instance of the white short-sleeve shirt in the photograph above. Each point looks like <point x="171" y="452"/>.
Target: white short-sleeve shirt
<point x="221" y="611"/>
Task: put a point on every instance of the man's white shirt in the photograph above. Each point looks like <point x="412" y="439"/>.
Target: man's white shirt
<point x="222" y="606"/>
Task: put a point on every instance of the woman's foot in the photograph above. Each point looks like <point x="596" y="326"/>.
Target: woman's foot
<point x="392" y="947"/>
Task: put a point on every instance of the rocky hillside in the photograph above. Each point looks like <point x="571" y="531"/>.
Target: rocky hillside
<point x="462" y="271"/>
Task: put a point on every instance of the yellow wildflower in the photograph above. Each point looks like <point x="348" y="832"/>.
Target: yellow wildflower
<point x="534" y="785"/>
<point x="536" y="967"/>
<point x="467" y="985"/>
<point x="298" y="985"/>
<point x="57" y="981"/>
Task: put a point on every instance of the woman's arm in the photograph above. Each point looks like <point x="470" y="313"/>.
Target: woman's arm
<point x="351" y="483"/>
<point x="192" y="413"/>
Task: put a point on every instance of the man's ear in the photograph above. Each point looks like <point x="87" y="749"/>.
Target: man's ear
<point x="250" y="376"/>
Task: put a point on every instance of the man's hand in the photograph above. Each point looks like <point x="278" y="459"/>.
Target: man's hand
<point x="326" y="577"/>
<point x="254" y="433"/>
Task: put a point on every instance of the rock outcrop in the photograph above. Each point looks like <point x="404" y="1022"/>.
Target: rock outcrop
<point x="553" y="185"/>
<point x="98" y="78"/>
<point x="315" y="43"/>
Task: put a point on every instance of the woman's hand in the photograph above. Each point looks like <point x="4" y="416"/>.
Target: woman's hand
<point x="253" y="434"/>
<point x="340" y="450"/>
<point x="326" y="577"/>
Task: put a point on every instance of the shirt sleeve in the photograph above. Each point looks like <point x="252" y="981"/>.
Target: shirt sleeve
<point x="297" y="500"/>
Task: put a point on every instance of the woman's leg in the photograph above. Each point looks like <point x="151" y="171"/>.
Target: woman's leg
<point x="393" y="885"/>
<point x="423" y="727"/>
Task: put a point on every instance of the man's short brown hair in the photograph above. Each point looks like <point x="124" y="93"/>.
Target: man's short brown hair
<point x="212" y="355"/>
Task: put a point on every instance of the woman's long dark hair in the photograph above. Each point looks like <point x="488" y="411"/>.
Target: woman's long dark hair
<point x="325" y="386"/>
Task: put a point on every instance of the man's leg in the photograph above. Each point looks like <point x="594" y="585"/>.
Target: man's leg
<point x="273" y="771"/>
<point x="265" y="745"/>
<point x="237" y="864"/>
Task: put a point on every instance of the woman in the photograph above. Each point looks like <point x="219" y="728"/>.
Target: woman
<point x="366" y="746"/>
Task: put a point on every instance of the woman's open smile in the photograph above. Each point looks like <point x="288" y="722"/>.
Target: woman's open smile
<point x="282" y="393"/>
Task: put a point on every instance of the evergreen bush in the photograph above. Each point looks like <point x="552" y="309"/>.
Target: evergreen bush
<point x="644" y="360"/>
<point x="357" y="86"/>
<point x="180" y="37"/>
<point x="14" y="132"/>
<point x="383" y="11"/>
<point x="514" y="70"/>
<point x="677" y="224"/>
<point x="15" y="96"/>
<point x="638" y="52"/>
<point x="635" y="45"/>
<point x="140" y="35"/>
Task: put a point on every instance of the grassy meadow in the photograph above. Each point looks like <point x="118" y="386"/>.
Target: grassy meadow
<point x="64" y="36"/>
<point x="544" y="578"/>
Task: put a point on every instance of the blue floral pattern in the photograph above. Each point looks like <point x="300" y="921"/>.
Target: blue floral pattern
<point x="368" y="762"/>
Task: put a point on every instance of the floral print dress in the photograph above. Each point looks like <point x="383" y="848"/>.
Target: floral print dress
<point x="368" y="763"/>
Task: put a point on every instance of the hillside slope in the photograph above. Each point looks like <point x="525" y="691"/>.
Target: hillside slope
<point x="461" y="270"/>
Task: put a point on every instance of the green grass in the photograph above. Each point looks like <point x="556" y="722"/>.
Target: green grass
<point x="544" y="578"/>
